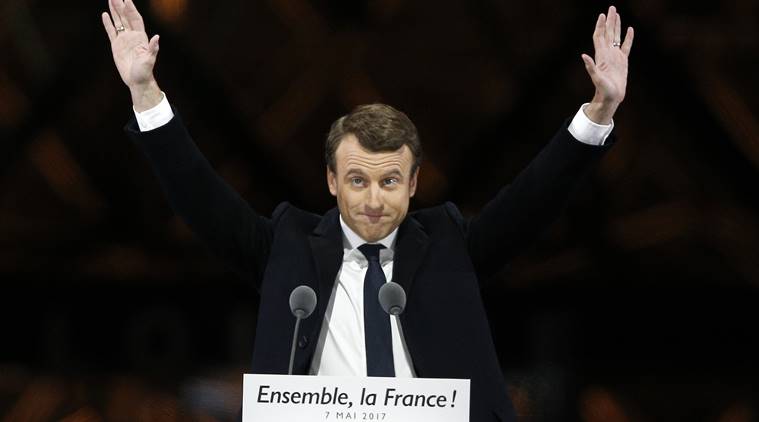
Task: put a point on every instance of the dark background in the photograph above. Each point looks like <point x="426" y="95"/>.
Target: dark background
<point x="638" y="304"/>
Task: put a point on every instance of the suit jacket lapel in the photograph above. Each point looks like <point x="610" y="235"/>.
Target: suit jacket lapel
<point x="327" y="249"/>
<point x="410" y="248"/>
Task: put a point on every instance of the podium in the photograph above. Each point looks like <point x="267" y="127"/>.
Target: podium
<point x="284" y="398"/>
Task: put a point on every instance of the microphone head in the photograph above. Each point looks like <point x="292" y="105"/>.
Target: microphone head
<point x="392" y="298"/>
<point x="302" y="301"/>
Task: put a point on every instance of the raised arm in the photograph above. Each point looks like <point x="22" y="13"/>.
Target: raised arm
<point x="212" y="209"/>
<point x="537" y="196"/>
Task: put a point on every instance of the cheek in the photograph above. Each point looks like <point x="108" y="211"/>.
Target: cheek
<point x="399" y="200"/>
<point x="349" y="198"/>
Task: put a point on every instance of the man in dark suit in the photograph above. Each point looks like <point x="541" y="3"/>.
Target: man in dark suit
<point x="439" y="257"/>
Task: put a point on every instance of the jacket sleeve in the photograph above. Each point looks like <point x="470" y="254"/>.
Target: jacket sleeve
<point x="521" y="211"/>
<point x="211" y="208"/>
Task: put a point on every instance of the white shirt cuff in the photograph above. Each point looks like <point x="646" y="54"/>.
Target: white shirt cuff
<point x="587" y="131"/>
<point x="155" y="117"/>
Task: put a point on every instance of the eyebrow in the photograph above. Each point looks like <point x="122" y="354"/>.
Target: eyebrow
<point x="394" y="172"/>
<point x="355" y="171"/>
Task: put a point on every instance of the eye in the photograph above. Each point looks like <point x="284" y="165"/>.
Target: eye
<point x="391" y="181"/>
<point x="357" y="181"/>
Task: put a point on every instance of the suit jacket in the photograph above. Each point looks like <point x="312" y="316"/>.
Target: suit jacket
<point x="441" y="258"/>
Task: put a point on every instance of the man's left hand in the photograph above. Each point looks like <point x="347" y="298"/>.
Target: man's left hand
<point x="609" y="69"/>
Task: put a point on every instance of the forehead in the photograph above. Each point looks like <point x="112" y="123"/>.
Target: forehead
<point x="351" y="155"/>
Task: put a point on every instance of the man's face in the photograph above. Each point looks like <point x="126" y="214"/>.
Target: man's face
<point x="372" y="188"/>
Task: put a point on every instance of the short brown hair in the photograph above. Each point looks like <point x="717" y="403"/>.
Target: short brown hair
<point x="378" y="128"/>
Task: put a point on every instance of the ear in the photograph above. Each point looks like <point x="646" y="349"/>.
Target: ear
<point x="332" y="181"/>
<point x="412" y="183"/>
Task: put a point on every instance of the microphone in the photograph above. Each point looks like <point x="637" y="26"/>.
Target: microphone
<point x="392" y="298"/>
<point x="302" y="304"/>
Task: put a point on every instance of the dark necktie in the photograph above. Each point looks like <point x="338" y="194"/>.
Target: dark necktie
<point x="379" y="343"/>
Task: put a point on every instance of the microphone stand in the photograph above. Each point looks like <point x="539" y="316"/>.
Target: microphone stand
<point x="298" y="318"/>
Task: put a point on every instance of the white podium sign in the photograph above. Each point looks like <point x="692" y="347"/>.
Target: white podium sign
<point x="282" y="398"/>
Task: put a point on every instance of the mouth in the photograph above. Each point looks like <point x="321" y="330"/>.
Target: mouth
<point x="374" y="218"/>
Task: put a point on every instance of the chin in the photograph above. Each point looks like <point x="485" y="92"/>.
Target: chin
<point x="373" y="235"/>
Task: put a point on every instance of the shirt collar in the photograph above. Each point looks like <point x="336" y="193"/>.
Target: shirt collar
<point x="351" y="239"/>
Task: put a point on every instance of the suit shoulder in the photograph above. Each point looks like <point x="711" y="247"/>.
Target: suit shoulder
<point x="445" y="210"/>
<point x="287" y="213"/>
<point x="445" y="213"/>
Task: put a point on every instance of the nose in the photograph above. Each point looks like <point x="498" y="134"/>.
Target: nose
<point x="374" y="200"/>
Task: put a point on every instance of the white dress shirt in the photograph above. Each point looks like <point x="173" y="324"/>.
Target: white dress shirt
<point x="340" y="349"/>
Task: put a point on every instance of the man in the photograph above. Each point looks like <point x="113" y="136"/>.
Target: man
<point x="435" y="254"/>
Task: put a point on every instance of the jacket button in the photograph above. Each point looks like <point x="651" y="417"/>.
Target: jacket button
<point x="303" y="342"/>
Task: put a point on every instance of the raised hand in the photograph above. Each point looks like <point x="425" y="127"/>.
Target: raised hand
<point x="609" y="69"/>
<point x="133" y="54"/>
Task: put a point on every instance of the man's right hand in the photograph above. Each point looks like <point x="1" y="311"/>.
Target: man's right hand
<point x="133" y="54"/>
